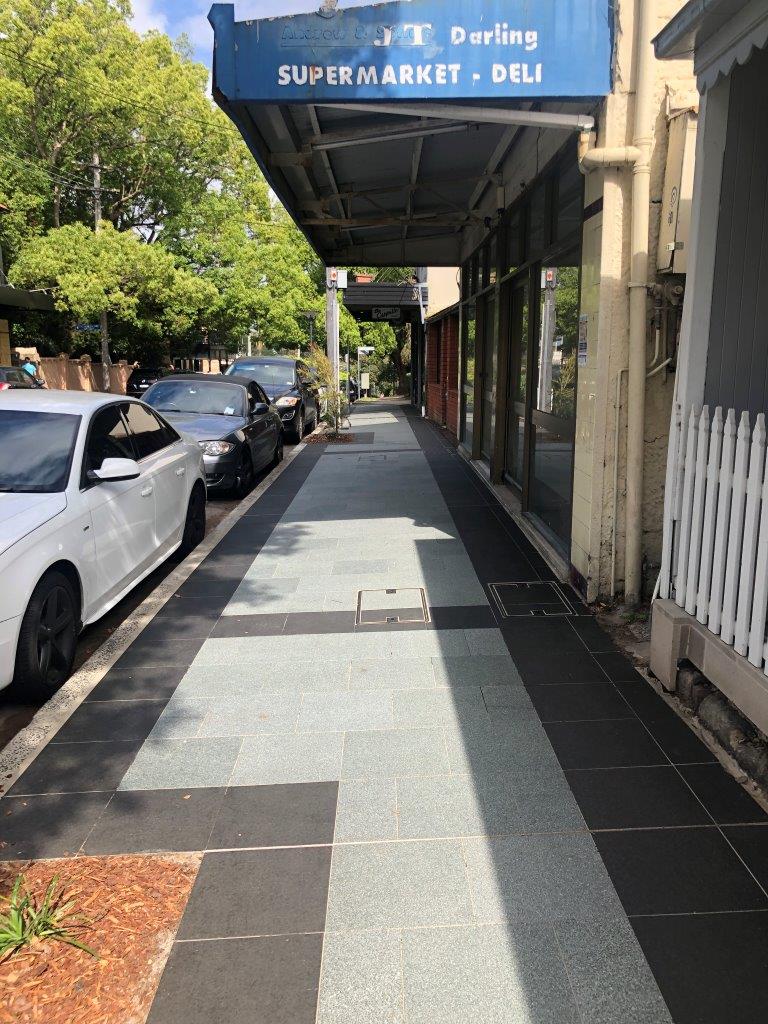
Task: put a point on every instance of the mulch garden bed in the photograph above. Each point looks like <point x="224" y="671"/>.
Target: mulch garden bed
<point x="133" y="906"/>
<point x="325" y="438"/>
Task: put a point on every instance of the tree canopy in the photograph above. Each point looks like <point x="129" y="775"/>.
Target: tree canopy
<point x="192" y="246"/>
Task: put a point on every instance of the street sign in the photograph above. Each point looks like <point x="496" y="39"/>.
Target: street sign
<point x="388" y="314"/>
<point x="417" y="50"/>
<point x="88" y="328"/>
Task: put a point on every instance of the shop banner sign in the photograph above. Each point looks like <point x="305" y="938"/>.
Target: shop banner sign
<point x="417" y="50"/>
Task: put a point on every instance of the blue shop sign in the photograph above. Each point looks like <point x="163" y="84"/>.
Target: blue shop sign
<point x="417" y="50"/>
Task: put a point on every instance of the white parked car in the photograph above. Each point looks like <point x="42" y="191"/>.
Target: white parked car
<point x="95" y="492"/>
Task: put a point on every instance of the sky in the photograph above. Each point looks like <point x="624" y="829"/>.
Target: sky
<point x="191" y="17"/>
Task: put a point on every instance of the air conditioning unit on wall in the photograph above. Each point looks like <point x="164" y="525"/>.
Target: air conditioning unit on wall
<point x="674" y="231"/>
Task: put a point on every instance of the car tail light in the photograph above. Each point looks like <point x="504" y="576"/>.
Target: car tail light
<point x="4" y="386"/>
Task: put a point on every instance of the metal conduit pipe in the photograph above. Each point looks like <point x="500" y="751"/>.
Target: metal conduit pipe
<point x="637" y="156"/>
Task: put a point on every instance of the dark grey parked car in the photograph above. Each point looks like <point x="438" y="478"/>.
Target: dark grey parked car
<point x="232" y="420"/>
<point x="289" y="383"/>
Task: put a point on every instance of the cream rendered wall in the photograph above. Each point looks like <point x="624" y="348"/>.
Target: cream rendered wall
<point x="5" y="343"/>
<point x="442" y="288"/>
<point x="605" y="300"/>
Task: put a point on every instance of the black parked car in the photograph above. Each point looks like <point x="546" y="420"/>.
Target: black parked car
<point x="231" y="419"/>
<point x="17" y="377"/>
<point x="142" y="378"/>
<point x="290" y="385"/>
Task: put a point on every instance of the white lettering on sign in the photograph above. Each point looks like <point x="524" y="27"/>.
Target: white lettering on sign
<point x="500" y="35"/>
<point x="391" y="74"/>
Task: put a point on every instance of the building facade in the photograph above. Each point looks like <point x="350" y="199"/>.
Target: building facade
<point x="550" y="185"/>
<point x="713" y="589"/>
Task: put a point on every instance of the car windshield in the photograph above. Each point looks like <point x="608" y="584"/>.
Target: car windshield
<point x="142" y="372"/>
<point x="36" y="452"/>
<point x="271" y="374"/>
<point x="197" y="396"/>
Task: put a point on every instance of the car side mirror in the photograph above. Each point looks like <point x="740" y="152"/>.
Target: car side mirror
<point x="114" y="470"/>
<point x="259" y="409"/>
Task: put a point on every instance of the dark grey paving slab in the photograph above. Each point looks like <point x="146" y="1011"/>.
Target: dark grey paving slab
<point x="489" y="974"/>
<point x="144" y="683"/>
<point x="142" y="654"/>
<point x="273" y="980"/>
<point x="290" y="815"/>
<point x="611" y="744"/>
<point x="258" y="892"/>
<point x="77" y="768"/>
<point x="111" y="720"/>
<point x="751" y="844"/>
<point x="636" y="798"/>
<point x="551" y="666"/>
<point x="609" y="975"/>
<point x="727" y="801"/>
<point x="701" y="872"/>
<point x="397" y="885"/>
<point x="578" y="702"/>
<point x="710" y="967"/>
<point x="617" y="667"/>
<point x="47" y="826"/>
<point x="173" y="820"/>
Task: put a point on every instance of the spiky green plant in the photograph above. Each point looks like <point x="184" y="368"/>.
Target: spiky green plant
<point x="28" y="921"/>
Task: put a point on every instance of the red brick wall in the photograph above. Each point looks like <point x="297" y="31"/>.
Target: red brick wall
<point x="443" y="372"/>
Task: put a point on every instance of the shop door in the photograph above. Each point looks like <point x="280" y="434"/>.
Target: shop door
<point x="488" y="376"/>
<point x="518" y="296"/>
<point x="553" y="396"/>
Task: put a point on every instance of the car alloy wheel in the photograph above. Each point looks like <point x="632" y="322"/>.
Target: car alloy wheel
<point x="56" y="635"/>
<point x="194" y="525"/>
<point x="245" y="477"/>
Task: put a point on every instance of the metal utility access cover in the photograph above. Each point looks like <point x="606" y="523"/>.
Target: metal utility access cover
<point x="526" y="599"/>
<point x="383" y="607"/>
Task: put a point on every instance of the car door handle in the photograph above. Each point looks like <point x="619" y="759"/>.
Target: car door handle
<point x="146" y="491"/>
<point x="181" y="471"/>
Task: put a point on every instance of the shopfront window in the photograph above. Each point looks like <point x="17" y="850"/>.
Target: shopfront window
<point x="537" y="220"/>
<point x="492" y="258"/>
<point x="515" y="242"/>
<point x="468" y="371"/>
<point x="558" y="337"/>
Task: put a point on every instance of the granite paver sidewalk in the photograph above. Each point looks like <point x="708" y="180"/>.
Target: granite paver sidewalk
<point x="419" y="802"/>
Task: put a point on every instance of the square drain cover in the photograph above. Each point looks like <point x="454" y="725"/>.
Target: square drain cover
<point x="525" y="599"/>
<point x="388" y="607"/>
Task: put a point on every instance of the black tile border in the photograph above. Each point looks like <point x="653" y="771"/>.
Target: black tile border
<point x="296" y="623"/>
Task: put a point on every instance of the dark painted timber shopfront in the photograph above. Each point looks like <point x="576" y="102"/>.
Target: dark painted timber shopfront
<point x="519" y="345"/>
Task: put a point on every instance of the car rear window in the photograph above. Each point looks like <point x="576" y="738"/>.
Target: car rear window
<point x="36" y="452"/>
<point x="269" y="374"/>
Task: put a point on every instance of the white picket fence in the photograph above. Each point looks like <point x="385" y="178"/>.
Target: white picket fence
<point x="715" y="550"/>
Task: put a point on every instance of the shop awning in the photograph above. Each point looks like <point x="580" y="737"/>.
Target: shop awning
<point x="383" y="129"/>
<point x="716" y="33"/>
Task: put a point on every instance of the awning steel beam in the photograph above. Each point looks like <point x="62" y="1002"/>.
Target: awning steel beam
<point x="477" y="115"/>
<point x="385" y="133"/>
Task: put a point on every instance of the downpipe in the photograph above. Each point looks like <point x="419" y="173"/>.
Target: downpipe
<point x="638" y="157"/>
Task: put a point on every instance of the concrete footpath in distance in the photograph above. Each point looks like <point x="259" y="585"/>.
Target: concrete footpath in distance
<point x="418" y="801"/>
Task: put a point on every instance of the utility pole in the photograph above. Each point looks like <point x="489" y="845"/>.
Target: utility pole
<point x="106" y="361"/>
<point x="332" y="320"/>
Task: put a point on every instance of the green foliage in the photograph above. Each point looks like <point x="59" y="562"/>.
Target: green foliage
<point x="28" y="921"/>
<point x="194" y="248"/>
<point x="334" y="401"/>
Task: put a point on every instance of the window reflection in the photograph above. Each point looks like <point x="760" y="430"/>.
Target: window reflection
<point x="558" y="337"/>
<point x="468" y="371"/>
